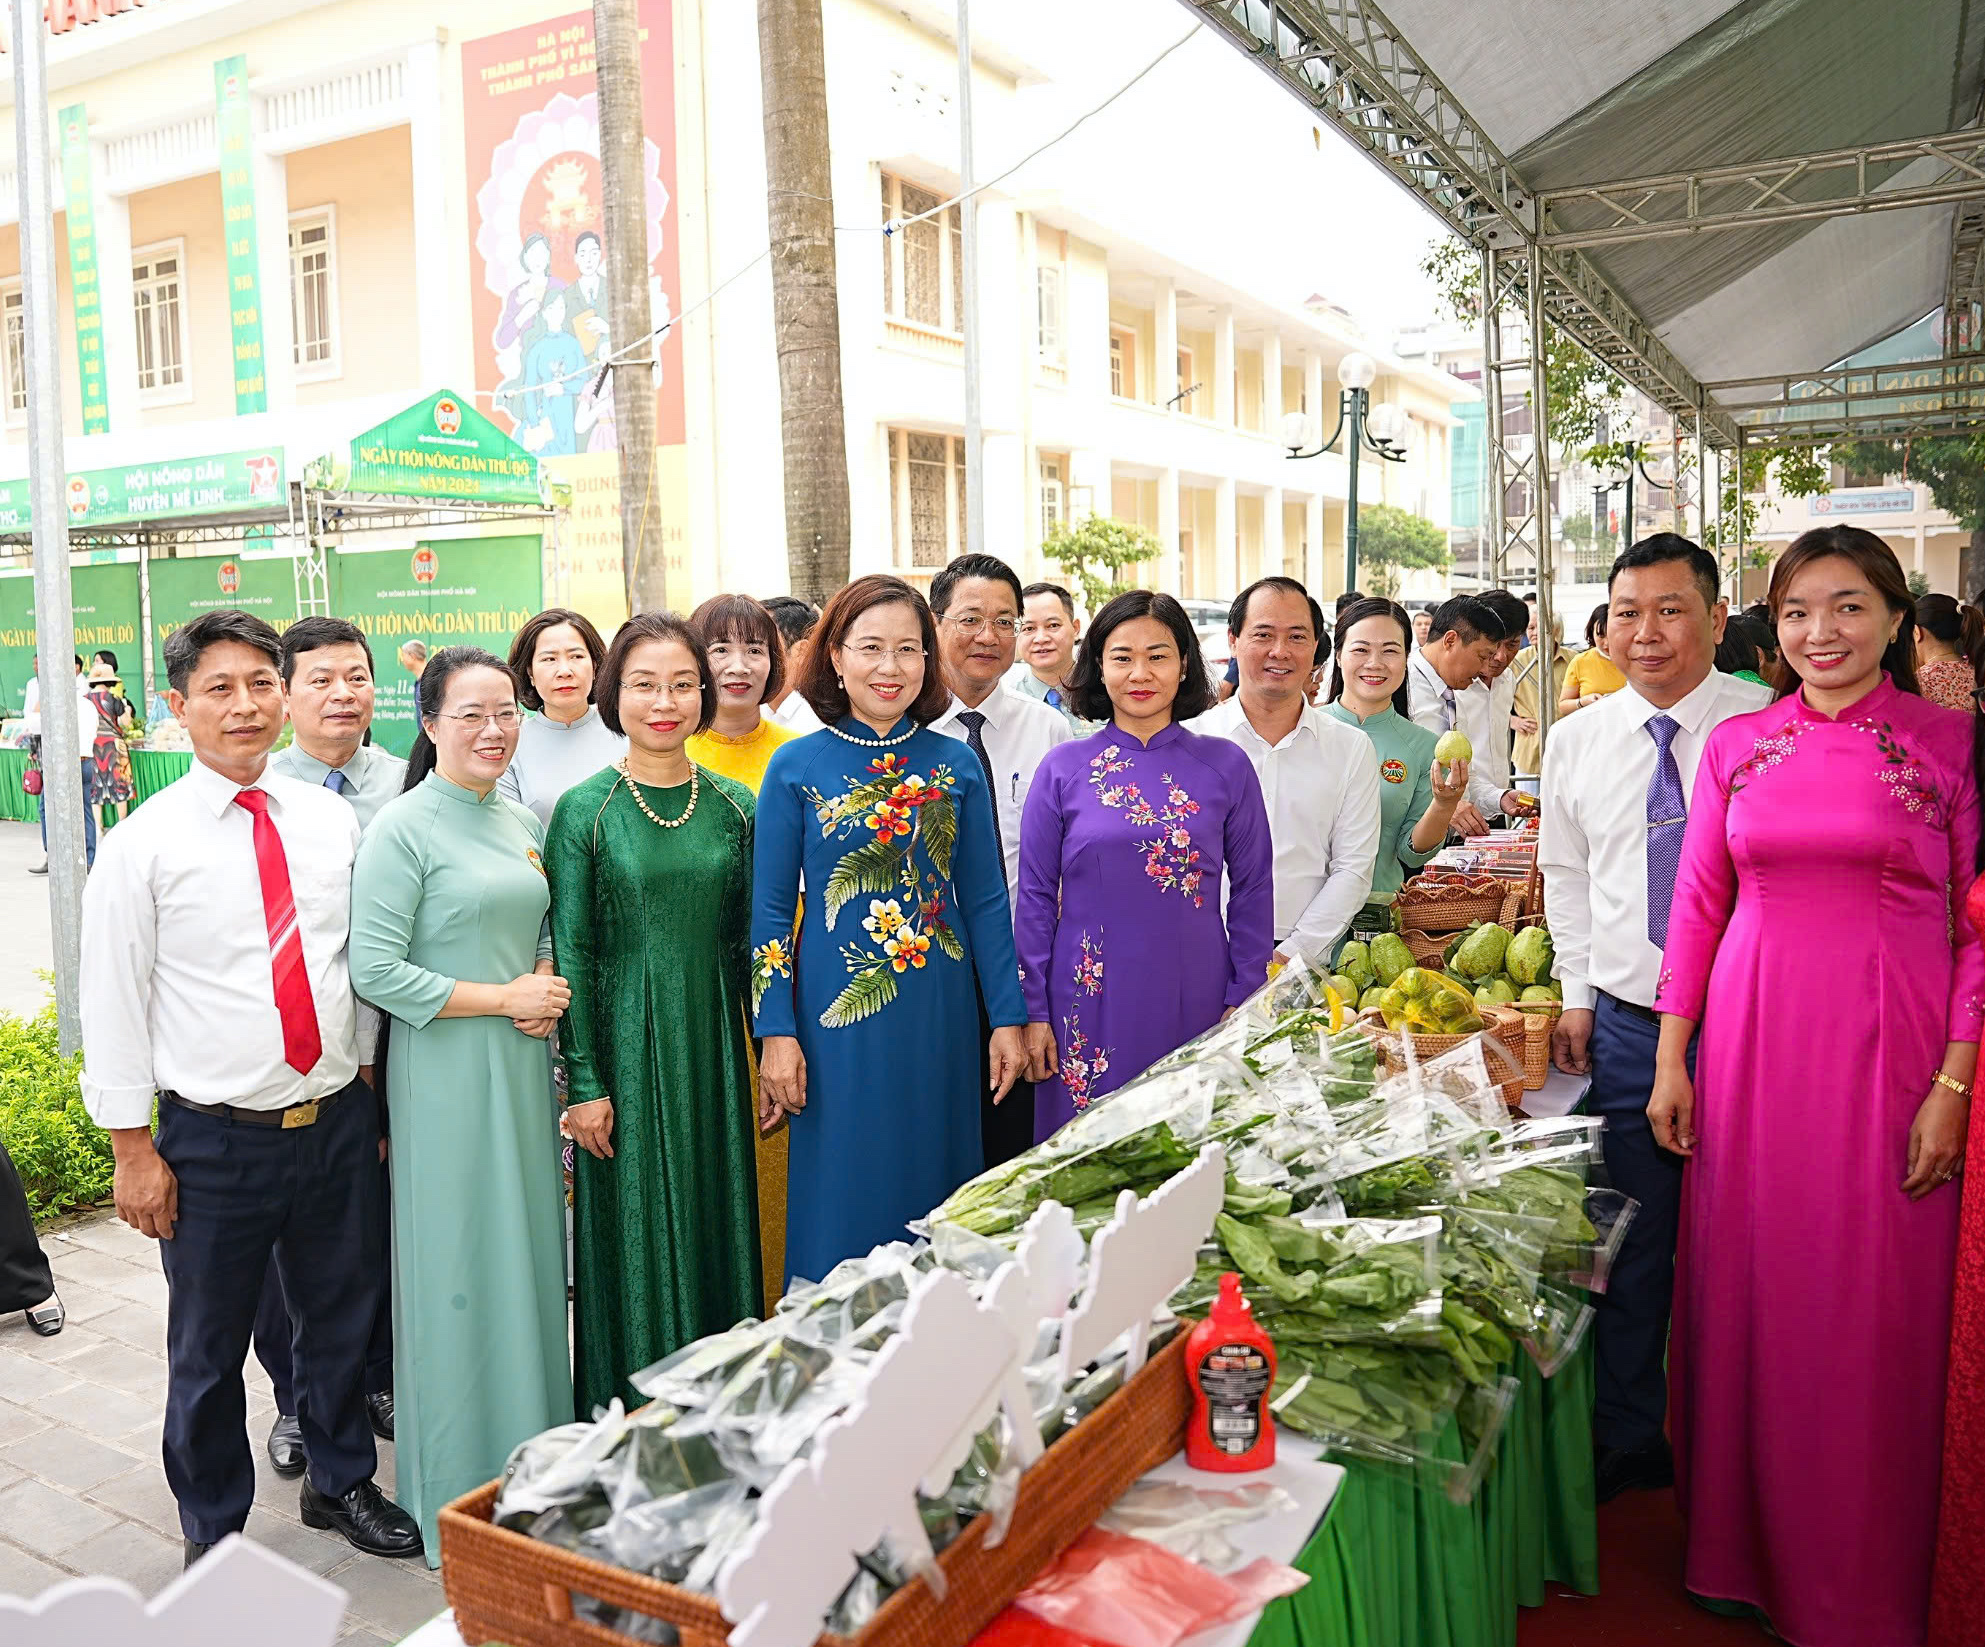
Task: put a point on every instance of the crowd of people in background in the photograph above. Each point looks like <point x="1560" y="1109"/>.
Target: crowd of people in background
<point x="754" y="933"/>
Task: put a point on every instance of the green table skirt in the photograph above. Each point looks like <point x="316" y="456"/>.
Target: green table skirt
<point x="1396" y="1565"/>
<point x="151" y="771"/>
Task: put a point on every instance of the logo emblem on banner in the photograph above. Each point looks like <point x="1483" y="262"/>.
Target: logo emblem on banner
<point x="79" y="497"/>
<point x="264" y="474"/>
<point x="230" y="578"/>
<point x="1393" y="771"/>
<point x="447" y="416"/>
<point x="427" y="565"/>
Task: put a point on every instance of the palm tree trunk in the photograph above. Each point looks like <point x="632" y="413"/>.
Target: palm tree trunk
<point x="806" y="311"/>
<point x="624" y="209"/>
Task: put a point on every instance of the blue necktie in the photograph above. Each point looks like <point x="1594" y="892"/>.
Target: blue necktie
<point x="1447" y="709"/>
<point x="1667" y="818"/>
<point x="975" y="726"/>
<point x="336" y="782"/>
<point x="1053" y="699"/>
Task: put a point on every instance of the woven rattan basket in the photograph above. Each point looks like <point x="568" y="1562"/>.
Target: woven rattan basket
<point x="1500" y="1025"/>
<point x="1451" y="914"/>
<point x="507" y="1588"/>
<point x="1537" y="1027"/>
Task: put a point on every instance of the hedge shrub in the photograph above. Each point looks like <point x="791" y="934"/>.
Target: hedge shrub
<point x="63" y="1157"/>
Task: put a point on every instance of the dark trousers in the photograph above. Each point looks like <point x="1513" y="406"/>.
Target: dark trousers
<point x="310" y="1197"/>
<point x="89" y="820"/>
<point x="1006" y="1128"/>
<point x="25" y="1280"/>
<point x="1630" y="1326"/>
<point x="275" y="1330"/>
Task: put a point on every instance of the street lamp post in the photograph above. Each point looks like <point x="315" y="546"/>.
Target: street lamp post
<point x="1377" y="429"/>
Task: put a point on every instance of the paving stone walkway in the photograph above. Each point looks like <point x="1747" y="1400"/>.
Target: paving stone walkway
<point x="82" y="1488"/>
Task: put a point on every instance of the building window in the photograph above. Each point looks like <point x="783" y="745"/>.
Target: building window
<point x="921" y="260"/>
<point x="1123" y="363"/>
<point x="1054" y="496"/>
<point x="157" y="299"/>
<point x="927" y="492"/>
<point x="313" y="294"/>
<point x="15" y="345"/>
<point x="1047" y="291"/>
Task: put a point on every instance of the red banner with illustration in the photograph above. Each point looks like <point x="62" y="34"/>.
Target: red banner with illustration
<point x="537" y="278"/>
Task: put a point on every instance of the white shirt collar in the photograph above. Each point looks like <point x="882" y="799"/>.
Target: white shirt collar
<point x="215" y="790"/>
<point x="1420" y="661"/>
<point x="1691" y="712"/>
<point x="1231" y="717"/>
<point x="992" y="707"/>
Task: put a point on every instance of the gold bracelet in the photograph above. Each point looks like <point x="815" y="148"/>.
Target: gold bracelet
<point x="1951" y="1081"/>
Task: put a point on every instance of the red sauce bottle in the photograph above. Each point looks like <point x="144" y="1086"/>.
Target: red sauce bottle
<point x="1230" y="1363"/>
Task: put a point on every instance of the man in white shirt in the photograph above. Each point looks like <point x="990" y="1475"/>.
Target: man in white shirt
<point x="1049" y="633"/>
<point x="976" y="601"/>
<point x="1616" y="775"/>
<point x="1319" y="777"/>
<point x="1466" y="635"/>
<point x="86" y="728"/>
<point x="795" y="618"/>
<point x="214" y="977"/>
<point x="1485" y="710"/>
<point x="329" y="691"/>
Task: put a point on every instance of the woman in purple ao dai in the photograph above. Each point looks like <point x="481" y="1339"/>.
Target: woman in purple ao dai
<point x="1124" y="951"/>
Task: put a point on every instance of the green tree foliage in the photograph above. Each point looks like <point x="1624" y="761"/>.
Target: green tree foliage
<point x="63" y="1158"/>
<point x="1094" y="553"/>
<point x="1391" y="542"/>
<point x="1919" y="585"/>
<point x="1952" y="466"/>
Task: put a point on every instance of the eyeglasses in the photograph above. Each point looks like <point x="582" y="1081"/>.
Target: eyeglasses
<point x="871" y="654"/>
<point x="973" y="623"/>
<point x="472" y="723"/>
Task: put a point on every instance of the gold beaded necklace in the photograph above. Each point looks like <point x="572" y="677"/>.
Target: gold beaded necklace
<point x="640" y="800"/>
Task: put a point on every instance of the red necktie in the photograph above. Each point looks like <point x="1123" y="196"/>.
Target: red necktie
<point x="302" y="1044"/>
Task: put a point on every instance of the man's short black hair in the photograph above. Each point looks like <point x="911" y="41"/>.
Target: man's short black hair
<point x="794" y="616"/>
<point x="1347" y="598"/>
<point x="187" y="644"/>
<point x="1469" y="617"/>
<point x="957" y="571"/>
<point x="313" y="634"/>
<point x="1237" y="614"/>
<point x="1514" y="615"/>
<point x="1067" y="600"/>
<point x="1664" y="548"/>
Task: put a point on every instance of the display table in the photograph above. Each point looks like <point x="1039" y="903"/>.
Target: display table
<point x="1394" y="1564"/>
<point x="151" y="771"/>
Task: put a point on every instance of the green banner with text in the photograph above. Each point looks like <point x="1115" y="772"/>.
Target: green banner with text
<point x="105" y="604"/>
<point x="442" y="448"/>
<point x="79" y="217"/>
<point x="467" y="592"/>
<point x="236" y="133"/>
<point x="183" y="589"/>
<point x="218" y="483"/>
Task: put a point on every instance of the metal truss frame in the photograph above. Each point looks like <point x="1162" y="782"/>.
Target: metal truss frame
<point x="1348" y="64"/>
<point x="1796" y="188"/>
<point x="1849" y="402"/>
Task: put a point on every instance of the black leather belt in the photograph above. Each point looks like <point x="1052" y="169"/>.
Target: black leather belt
<point x="296" y="1115"/>
<point x="1646" y="1015"/>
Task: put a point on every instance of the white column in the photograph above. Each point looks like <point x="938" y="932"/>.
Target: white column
<point x="271" y="178"/>
<point x="111" y="214"/>
<point x="1273" y="551"/>
<point x="1271" y="383"/>
<point x="1226" y="540"/>
<point x="1313" y="550"/>
<point x="432" y="286"/>
<point x="1223" y="368"/>
<point x="1165" y="373"/>
<point x="1171" y="576"/>
<point x="1320" y="423"/>
<point x="1919" y="542"/>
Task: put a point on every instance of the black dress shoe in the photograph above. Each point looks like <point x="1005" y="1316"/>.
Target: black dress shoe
<point x="195" y="1551"/>
<point x="286" y="1447"/>
<point x="1627" y="1469"/>
<point x="46" y="1319"/>
<point x="379" y="1408"/>
<point x="367" y="1518"/>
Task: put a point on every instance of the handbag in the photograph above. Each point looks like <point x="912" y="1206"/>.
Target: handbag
<point x="31" y="778"/>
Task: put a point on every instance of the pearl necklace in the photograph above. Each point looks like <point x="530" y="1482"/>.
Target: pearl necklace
<point x="877" y="743"/>
<point x="654" y="817"/>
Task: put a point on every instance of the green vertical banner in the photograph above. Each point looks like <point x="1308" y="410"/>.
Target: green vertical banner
<point x="73" y="125"/>
<point x="188" y="587"/>
<point x="104" y="604"/>
<point x="235" y="129"/>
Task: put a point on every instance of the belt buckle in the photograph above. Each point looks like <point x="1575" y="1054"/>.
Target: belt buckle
<point x="300" y="1115"/>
